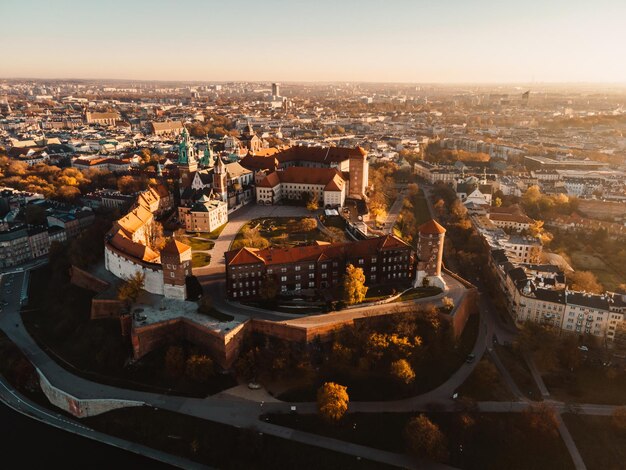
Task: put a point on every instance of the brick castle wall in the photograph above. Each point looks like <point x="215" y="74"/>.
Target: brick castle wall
<point x="81" y="278"/>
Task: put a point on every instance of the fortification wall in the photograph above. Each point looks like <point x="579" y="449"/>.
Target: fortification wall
<point x="81" y="278"/>
<point x="105" y="308"/>
<point x="81" y="408"/>
<point x="224" y="347"/>
<point x="123" y="267"/>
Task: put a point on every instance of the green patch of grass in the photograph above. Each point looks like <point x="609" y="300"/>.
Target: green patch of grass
<point x="19" y="372"/>
<point x="588" y="384"/>
<point x="599" y="443"/>
<point x="208" y="236"/>
<point x="490" y="441"/>
<point x="518" y="369"/>
<point x="478" y="389"/>
<point x="199" y="260"/>
<point x="218" y="445"/>
<point x="276" y="231"/>
<point x="419" y="293"/>
<point x="198" y="244"/>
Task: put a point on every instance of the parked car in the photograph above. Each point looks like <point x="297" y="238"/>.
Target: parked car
<point x="470" y="358"/>
<point x="583" y="348"/>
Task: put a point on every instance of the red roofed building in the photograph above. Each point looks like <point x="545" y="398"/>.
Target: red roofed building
<point x="325" y="183"/>
<point x="344" y="159"/>
<point x="384" y="259"/>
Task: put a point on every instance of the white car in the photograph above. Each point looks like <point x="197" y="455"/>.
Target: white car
<point x="583" y="348"/>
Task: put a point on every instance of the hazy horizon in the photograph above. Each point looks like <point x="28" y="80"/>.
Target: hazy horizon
<point x="420" y="42"/>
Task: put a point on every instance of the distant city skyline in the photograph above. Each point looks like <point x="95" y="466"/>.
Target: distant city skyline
<point x="451" y="41"/>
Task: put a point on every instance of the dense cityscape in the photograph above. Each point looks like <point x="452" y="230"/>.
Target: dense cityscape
<point x="378" y="243"/>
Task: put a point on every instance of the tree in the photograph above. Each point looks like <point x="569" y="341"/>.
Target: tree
<point x="332" y="401"/>
<point x="313" y="204"/>
<point x="354" y="288"/>
<point x="199" y="367"/>
<point x="542" y="418"/>
<point x="618" y="418"/>
<point x="174" y="361"/>
<point x="35" y="214"/>
<point x="585" y="281"/>
<point x="268" y="289"/>
<point x="307" y="224"/>
<point x="155" y="238"/>
<point x="425" y="439"/>
<point x="402" y="370"/>
<point x="129" y="290"/>
<point x="447" y="303"/>
<point x="129" y="184"/>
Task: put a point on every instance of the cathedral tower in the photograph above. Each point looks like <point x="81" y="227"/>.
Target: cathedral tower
<point x="220" y="180"/>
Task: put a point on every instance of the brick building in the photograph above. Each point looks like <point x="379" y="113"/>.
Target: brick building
<point x="384" y="259"/>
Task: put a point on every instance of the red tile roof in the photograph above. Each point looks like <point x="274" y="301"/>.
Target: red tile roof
<point x="271" y="160"/>
<point x="431" y="227"/>
<point x="314" y="252"/>
<point x="330" y="178"/>
<point x="175" y="247"/>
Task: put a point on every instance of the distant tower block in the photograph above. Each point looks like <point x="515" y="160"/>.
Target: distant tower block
<point x="430" y="254"/>
<point x="176" y="261"/>
<point x="275" y="89"/>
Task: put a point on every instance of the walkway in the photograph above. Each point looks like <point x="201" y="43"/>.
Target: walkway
<point x="394" y="212"/>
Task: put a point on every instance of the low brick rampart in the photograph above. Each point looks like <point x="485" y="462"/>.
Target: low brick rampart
<point x="81" y="408"/>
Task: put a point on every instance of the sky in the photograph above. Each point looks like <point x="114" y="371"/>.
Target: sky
<point x="417" y="41"/>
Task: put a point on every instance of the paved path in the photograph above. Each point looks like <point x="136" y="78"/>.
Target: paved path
<point x="26" y="407"/>
<point x="394" y="212"/>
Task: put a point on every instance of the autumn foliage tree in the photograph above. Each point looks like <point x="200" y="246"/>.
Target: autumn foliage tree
<point x="584" y="281"/>
<point x="402" y="370"/>
<point x="332" y="401"/>
<point x="542" y="419"/>
<point x="425" y="439"/>
<point x="129" y="289"/>
<point x="199" y="367"/>
<point x="354" y="288"/>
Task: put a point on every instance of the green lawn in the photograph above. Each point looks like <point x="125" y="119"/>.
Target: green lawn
<point x="518" y="369"/>
<point x="219" y="445"/>
<point x="276" y="231"/>
<point x="491" y="441"/>
<point x="588" y="384"/>
<point x="199" y="244"/>
<point x="208" y="236"/>
<point x="601" y="446"/>
<point x="477" y="389"/>
<point x="199" y="260"/>
<point x="419" y="293"/>
<point x="608" y="277"/>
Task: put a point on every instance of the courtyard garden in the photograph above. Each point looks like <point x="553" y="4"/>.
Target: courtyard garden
<point x="280" y="232"/>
